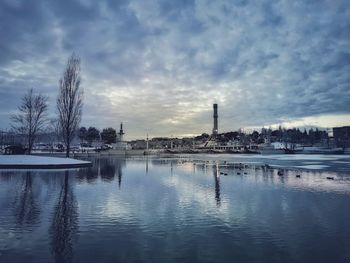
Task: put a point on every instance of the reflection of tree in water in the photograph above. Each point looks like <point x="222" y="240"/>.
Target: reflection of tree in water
<point x="64" y="224"/>
<point x="89" y="174"/>
<point x="107" y="169"/>
<point x="26" y="210"/>
<point x="110" y="168"/>
<point x="7" y="175"/>
<point x="217" y="185"/>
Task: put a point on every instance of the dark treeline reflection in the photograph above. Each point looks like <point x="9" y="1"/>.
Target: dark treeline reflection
<point x="27" y="211"/>
<point x="108" y="169"/>
<point x="64" y="224"/>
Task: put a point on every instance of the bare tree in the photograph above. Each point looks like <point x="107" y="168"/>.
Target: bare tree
<point x="31" y="119"/>
<point x="70" y="101"/>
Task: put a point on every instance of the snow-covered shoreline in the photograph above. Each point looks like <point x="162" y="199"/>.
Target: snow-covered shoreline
<point x="39" y="162"/>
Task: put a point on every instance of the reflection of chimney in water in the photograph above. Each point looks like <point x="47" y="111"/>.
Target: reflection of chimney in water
<point x="217" y="184"/>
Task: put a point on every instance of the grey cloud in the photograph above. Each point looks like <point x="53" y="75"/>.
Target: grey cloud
<point x="159" y="65"/>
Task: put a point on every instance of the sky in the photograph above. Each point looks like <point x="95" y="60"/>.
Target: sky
<point x="159" y="65"/>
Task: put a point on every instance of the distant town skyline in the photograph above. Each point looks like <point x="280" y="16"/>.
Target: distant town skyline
<point x="158" y="66"/>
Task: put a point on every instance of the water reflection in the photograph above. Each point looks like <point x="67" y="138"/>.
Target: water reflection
<point x="64" y="224"/>
<point x="214" y="210"/>
<point x="105" y="168"/>
<point x="217" y="184"/>
<point x="120" y="174"/>
<point x="27" y="211"/>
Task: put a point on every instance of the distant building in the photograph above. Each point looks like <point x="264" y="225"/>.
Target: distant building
<point x="138" y="144"/>
<point x="342" y="136"/>
<point x="120" y="143"/>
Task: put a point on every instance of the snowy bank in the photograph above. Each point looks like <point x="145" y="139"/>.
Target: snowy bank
<point x="39" y="162"/>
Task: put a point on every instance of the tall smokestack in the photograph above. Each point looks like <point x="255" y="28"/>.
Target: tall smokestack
<point x="215" y="128"/>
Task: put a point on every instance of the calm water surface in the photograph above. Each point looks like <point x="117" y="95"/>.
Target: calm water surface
<point x="179" y="209"/>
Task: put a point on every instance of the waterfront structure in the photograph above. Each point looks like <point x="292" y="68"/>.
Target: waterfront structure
<point x="120" y="143"/>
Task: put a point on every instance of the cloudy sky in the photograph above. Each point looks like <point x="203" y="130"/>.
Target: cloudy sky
<point x="159" y="65"/>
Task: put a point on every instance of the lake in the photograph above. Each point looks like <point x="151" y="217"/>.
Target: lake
<point x="188" y="208"/>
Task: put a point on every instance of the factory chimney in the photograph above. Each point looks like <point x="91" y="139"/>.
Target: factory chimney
<point x="215" y="128"/>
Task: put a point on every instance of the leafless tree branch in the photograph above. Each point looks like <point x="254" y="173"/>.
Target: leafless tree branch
<point x="70" y="101"/>
<point x="31" y="117"/>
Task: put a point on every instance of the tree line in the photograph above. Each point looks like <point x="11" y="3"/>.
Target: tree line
<point x="108" y="135"/>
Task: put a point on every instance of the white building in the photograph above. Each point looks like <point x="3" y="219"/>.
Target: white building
<point x="120" y="143"/>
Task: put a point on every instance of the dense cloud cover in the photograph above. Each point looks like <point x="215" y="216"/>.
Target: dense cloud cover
<point x="158" y="65"/>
